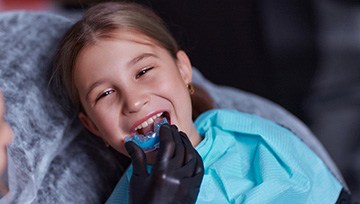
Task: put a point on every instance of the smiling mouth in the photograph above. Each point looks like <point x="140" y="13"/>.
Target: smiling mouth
<point x="148" y="137"/>
<point x="148" y="125"/>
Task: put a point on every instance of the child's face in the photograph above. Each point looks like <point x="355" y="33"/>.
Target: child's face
<point x="123" y="82"/>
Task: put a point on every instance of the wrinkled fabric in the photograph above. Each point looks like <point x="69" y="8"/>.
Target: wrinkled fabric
<point x="50" y="159"/>
<point x="253" y="160"/>
<point x="249" y="159"/>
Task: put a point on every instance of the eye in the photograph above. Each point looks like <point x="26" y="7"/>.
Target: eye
<point x="105" y="93"/>
<point x="143" y="71"/>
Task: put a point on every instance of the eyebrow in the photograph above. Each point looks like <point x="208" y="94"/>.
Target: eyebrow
<point x="141" y="57"/>
<point x="97" y="83"/>
<point x="130" y="63"/>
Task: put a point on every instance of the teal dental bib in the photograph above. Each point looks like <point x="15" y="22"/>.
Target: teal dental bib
<point x="249" y="159"/>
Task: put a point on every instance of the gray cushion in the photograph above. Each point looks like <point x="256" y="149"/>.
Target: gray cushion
<point x="52" y="158"/>
<point x="49" y="162"/>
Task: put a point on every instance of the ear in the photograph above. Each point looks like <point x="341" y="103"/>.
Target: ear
<point x="86" y="121"/>
<point x="184" y="65"/>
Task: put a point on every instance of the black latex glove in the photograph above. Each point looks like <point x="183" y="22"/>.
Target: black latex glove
<point x="176" y="174"/>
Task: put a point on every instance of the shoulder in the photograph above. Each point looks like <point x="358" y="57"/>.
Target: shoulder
<point x="234" y="120"/>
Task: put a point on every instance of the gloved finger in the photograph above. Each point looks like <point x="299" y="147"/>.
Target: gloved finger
<point x="191" y="186"/>
<point x="194" y="181"/>
<point x="187" y="169"/>
<point x="192" y="156"/>
<point x="178" y="157"/>
<point x="199" y="170"/>
<point x="189" y="149"/>
<point x="166" y="149"/>
<point x="138" y="158"/>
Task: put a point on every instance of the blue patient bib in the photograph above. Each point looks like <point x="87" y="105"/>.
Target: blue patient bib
<point x="249" y="159"/>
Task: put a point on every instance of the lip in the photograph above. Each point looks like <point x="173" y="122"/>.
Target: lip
<point x="137" y="123"/>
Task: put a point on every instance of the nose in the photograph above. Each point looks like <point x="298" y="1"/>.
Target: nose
<point x="134" y="100"/>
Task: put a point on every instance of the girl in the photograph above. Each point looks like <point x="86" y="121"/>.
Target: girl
<point x="124" y="72"/>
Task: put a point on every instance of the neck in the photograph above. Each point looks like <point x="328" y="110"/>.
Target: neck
<point x="194" y="137"/>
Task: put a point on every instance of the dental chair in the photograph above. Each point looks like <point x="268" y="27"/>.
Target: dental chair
<point x="52" y="158"/>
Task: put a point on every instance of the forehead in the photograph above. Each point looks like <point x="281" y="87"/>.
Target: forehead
<point x="128" y="35"/>
<point x="116" y="50"/>
<point x="117" y="43"/>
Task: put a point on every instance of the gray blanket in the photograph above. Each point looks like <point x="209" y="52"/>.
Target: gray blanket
<point x="52" y="159"/>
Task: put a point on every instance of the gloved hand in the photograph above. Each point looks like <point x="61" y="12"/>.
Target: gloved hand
<point x="176" y="174"/>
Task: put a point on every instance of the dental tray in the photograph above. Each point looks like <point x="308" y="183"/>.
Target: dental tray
<point x="150" y="141"/>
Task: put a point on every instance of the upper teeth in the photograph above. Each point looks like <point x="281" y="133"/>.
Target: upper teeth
<point x="148" y="121"/>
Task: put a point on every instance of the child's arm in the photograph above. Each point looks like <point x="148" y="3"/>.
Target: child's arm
<point x="176" y="175"/>
<point x="5" y="139"/>
<point x="5" y="130"/>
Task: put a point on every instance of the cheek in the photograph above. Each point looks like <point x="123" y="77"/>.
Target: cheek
<point x="108" y="122"/>
<point x="170" y="83"/>
<point x="111" y="130"/>
<point x="179" y="97"/>
<point x="105" y="121"/>
<point x="121" y="148"/>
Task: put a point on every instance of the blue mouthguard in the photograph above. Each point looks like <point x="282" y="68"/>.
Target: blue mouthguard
<point x="150" y="141"/>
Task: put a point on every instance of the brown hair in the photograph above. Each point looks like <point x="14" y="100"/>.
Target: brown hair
<point x="100" y="22"/>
